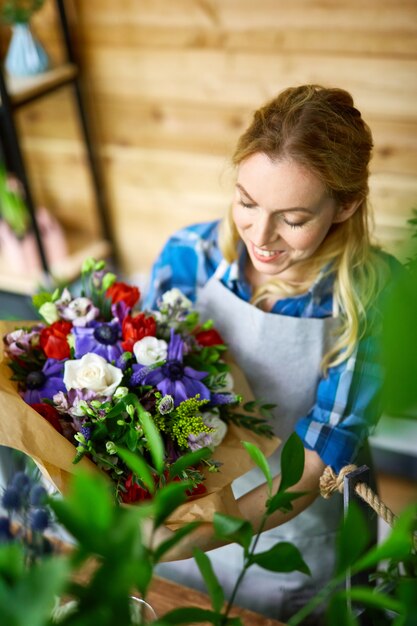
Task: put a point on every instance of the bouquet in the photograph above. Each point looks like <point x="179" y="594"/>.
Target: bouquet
<point x="104" y="377"/>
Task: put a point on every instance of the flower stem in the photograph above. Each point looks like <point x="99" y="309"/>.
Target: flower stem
<point x="246" y="565"/>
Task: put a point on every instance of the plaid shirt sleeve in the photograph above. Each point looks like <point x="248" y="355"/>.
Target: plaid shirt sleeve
<point x="187" y="261"/>
<point x="348" y="406"/>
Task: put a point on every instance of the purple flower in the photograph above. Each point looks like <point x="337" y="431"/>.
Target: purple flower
<point x="45" y="383"/>
<point x="173" y="377"/>
<point x="202" y="440"/>
<point x="21" y="341"/>
<point x="102" y="338"/>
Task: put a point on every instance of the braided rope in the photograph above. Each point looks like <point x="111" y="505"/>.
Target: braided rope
<point x="330" y="482"/>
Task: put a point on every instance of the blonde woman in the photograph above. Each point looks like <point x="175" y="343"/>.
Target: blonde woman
<point x="292" y="281"/>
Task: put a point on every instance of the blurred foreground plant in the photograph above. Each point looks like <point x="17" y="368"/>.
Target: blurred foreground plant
<point x="125" y="553"/>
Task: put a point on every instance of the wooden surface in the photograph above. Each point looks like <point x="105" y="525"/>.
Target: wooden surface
<point x="166" y="595"/>
<point x="171" y="85"/>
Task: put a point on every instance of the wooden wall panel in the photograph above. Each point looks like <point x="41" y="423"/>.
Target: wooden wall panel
<point x="170" y="85"/>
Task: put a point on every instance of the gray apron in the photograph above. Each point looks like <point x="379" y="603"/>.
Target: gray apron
<point x="281" y="358"/>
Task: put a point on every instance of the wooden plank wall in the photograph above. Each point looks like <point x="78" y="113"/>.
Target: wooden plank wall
<point x="172" y="83"/>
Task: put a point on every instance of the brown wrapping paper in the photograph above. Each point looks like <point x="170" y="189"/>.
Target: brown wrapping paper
<point x="22" y="428"/>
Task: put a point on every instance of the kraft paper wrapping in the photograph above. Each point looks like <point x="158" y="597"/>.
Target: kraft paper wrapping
<point x="22" y="428"/>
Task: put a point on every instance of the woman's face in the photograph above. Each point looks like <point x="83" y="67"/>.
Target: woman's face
<point x="282" y="213"/>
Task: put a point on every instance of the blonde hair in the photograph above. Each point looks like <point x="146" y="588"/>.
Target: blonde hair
<point x="320" y="128"/>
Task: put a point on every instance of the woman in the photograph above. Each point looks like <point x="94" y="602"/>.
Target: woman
<point x="292" y="281"/>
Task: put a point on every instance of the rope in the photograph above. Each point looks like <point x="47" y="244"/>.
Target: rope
<point x="330" y="482"/>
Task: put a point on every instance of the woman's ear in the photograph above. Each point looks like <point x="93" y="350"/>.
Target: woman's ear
<point x="345" y="211"/>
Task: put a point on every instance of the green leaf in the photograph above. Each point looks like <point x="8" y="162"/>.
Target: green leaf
<point x="169" y="498"/>
<point x="397" y="545"/>
<point x="189" y="615"/>
<point x="139" y="466"/>
<point x="259" y="458"/>
<point x="176" y="538"/>
<point x="188" y="460"/>
<point x="292" y="462"/>
<point x="88" y="510"/>
<point x="41" y="298"/>
<point x="11" y="561"/>
<point x="283" y="501"/>
<point x="233" y="529"/>
<point x="156" y="446"/>
<point x="339" y="613"/>
<point x="214" y="588"/>
<point x="375" y="599"/>
<point x="282" y="557"/>
<point x="131" y="439"/>
<point x="352" y="539"/>
<point x="31" y="599"/>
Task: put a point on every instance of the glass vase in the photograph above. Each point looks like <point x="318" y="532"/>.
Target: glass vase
<point x="25" y="55"/>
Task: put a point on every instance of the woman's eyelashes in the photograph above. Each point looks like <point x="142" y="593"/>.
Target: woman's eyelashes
<point x="247" y="205"/>
<point x="293" y="224"/>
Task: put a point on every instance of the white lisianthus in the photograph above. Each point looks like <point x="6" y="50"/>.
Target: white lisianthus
<point x="49" y="312"/>
<point x="150" y="350"/>
<point x="94" y="373"/>
<point x="219" y="428"/>
<point x="175" y="297"/>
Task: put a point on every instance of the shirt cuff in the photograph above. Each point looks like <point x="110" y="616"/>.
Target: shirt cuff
<point x="336" y="446"/>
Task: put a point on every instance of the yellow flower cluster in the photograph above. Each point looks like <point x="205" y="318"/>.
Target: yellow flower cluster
<point x="188" y="421"/>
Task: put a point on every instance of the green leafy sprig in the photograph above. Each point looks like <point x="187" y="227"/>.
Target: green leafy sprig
<point x="20" y="11"/>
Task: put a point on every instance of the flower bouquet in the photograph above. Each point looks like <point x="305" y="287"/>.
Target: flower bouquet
<point x="94" y="380"/>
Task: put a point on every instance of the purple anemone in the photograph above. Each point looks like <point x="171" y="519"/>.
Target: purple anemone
<point x="45" y="383"/>
<point x="173" y="377"/>
<point x="102" y="338"/>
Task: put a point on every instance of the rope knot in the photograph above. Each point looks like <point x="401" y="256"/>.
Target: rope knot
<point x="330" y="482"/>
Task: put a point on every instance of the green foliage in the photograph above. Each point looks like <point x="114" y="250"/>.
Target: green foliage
<point x="122" y="540"/>
<point x="12" y="205"/>
<point x="20" y="11"/>
<point x="26" y="598"/>
<point x="212" y="582"/>
<point x="399" y="337"/>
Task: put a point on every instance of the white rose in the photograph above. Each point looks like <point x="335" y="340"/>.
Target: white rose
<point x="220" y="428"/>
<point x="176" y="297"/>
<point x="150" y="350"/>
<point x="92" y="372"/>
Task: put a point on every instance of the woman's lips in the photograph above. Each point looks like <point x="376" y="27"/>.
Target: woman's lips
<point x="265" y="256"/>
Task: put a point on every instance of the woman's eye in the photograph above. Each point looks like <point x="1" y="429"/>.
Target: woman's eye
<point x="247" y="205"/>
<point x="294" y="224"/>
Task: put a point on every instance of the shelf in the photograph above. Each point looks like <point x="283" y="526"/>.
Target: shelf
<point x="66" y="270"/>
<point x="25" y="89"/>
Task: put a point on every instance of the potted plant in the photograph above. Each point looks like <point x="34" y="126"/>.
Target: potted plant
<point x="25" y="55"/>
<point x="17" y="241"/>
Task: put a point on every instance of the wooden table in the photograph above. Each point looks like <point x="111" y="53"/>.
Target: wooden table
<point x="165" y="595"/>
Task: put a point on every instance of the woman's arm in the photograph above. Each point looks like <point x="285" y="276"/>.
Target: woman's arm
<point x="252" y="507"/>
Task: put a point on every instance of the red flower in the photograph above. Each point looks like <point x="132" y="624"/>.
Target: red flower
<point x="53" y="340"/>
<point x="198" y="490"/>
<point x="134" y="492"/>
<point x="209" y="337"/>
<point x="136" y="328"/>
<point x="49" y="413"/>
<point x="121" y="292"/>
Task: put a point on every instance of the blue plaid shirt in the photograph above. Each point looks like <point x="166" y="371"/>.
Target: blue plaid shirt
<point x="348" y="398"/>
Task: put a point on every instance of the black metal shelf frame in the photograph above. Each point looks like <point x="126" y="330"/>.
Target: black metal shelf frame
<point x="10" y="142"/>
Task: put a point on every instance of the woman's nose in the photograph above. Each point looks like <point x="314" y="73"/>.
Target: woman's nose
<point x="264" y="230"/>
